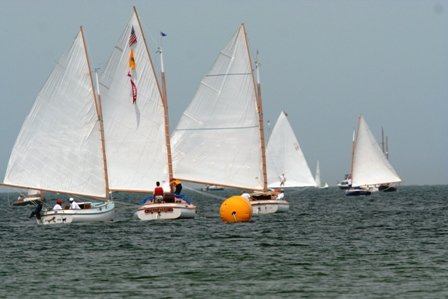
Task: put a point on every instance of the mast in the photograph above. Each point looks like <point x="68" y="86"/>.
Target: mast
<point x="164" y="98"/>
<point x="99" y="114"/>
<point x="260" y="114"/>
<point x="387" y="148"/>
<point x="165" y="112"/>
<point x="354" y="138"/>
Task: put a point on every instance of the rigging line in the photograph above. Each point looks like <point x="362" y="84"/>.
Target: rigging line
<point x="209" y="129"/>
<point x="205" y="193"/>
<point x="228" y="74"/>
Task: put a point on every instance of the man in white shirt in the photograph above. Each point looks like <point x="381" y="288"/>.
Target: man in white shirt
<point x="282" y="180"/>
<point x="73" y="204"/>
<point x="58" y="206"/>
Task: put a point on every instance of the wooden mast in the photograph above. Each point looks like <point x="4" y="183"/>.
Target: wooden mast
<point x="260" y="114"/>
<point x="99" y="113"/>
<point x="164" y="99"/>
<point x="166" y="119"/>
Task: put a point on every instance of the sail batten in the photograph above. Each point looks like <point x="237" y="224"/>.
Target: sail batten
<point x="59" y="146"/>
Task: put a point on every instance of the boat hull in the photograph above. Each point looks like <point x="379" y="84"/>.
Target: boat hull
<point x="357" y="192"/>
<point x="212" y="188"/>
<point x="269" y="206"/>
<point x="387" y="188"/>
<point x="165" y="211"/>
<point x="99" y="212"/>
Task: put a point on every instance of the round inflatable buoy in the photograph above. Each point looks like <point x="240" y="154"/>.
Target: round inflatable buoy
<point x="235" y="209"/>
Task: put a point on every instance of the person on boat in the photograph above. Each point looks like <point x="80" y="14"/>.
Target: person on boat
<point x="73" y="204"/>
<point x="282" y="180"/>
<point x="176" y="186"/>
<point x="158" y="193"/>
<point x="37" y="211"/>
<point x="58" y="205"/>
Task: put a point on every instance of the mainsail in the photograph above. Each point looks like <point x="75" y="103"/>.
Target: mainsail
<point x="217" y="140"/>
<point x="59" y="146"/>
<point x="370" y="166"/>
<point x="285" y="156"/>
<point x="133" y="115"/>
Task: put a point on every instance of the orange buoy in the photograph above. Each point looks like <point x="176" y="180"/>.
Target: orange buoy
<point x="235" y="209"/>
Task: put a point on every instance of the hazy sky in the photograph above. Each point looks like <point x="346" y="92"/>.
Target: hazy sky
<point x="323" y="62"/>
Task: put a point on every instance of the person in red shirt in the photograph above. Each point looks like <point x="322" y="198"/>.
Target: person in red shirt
<point x="158" y="193"/>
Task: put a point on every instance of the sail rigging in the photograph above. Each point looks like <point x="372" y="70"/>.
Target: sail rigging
<point x="370" y="165"/>
<point x="217" y="140"/>
<point x="285" y="157"/>
<point x="136" y="128"/>
<point x="59" y="147"/>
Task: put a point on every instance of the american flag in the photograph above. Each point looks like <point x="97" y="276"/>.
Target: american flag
<point x="133" y="37"/>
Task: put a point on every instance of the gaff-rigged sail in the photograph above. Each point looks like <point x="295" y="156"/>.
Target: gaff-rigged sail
<point x="133" y="115"/>
<point x="217" y="140"/>
<point x="59" y="146"/>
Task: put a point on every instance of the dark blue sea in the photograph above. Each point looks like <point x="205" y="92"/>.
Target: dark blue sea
<point x="387" y="245"/>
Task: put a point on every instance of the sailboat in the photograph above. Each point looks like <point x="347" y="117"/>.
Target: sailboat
<point x="317" y="178"/>
<point x="286" y="163"/>
<point x="60" y="146"/>
<point x="32" y="197"/>
<point x="370" y="167"/>
<point x="219" y="139"/>
<point x="136" y="126"/>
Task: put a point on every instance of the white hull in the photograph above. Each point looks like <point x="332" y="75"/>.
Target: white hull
<point x="165" y="211"/>
<point x="99" y="212"/>
<point x="269" y="206"/>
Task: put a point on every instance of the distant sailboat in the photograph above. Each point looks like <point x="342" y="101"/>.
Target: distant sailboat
<point x="32" y="197"/>
<point x="136" y="126"/>
<point x="219" y="139"/>
<point x="60" y="146"/>
<point x="370" y="167"/>
<point x="285" y="158"/>
<point x="317" y="178"/>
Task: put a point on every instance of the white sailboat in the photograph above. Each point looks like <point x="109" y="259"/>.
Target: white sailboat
<point x="60" y="146"/>
<point x="219" y="139"/>
<point x="317" y="178"/>
<point x="136" y="125"/>
<point x="286" y="163"/>
<point x="370" y="167"/>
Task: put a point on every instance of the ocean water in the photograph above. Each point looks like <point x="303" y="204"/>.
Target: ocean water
<point x="388" y="245"/>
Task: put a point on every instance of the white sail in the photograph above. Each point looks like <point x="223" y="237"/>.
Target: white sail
<point x="317" y="175"/>
<point x="59" y="146"/>
<point x="284" y="156"/>
<point x="135" y="134"/>
<point x="217" y="140"/>
<point x="370" y="166"/>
